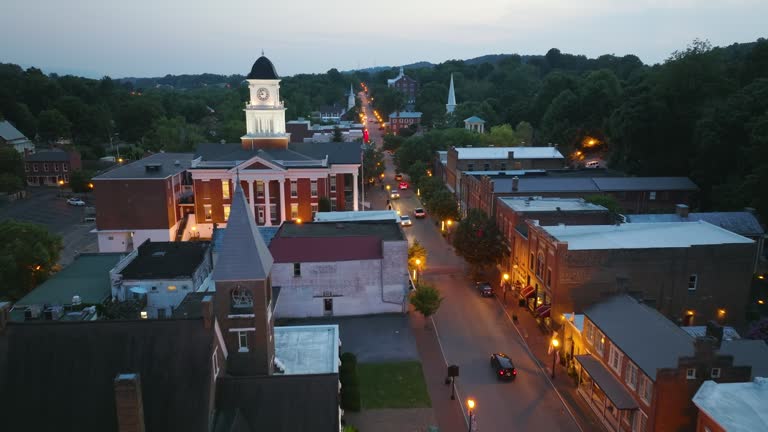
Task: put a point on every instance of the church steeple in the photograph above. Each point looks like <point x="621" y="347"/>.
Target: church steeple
<point x="351" y="98"/>
<point x="451" y="105"/>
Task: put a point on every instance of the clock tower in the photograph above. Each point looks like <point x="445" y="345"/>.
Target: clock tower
<point x="264" y="112"/>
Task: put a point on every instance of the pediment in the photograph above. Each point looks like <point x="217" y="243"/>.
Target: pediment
<point x="257" y="163"/>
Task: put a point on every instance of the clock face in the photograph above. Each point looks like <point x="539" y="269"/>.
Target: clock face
<point x="262" y="94"/>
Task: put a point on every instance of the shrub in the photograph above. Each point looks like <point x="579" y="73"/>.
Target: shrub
<point x="350" y="384"/>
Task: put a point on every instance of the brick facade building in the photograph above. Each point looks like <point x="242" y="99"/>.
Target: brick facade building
<point x="51" y="167"/>
<point x="403" y="120"/>
<point x="406" y="85"/>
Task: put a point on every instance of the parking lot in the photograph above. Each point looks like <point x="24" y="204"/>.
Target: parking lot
<point x="45" y="206"/>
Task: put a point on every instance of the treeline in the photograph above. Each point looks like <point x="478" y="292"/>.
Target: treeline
<point x="702" y="113"/>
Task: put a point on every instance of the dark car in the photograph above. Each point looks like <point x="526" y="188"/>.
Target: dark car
<point x="484" y="288"/>
<point x="419" y="213"/>
<point x="398" y="177"/>
<point x="503" y="367"/>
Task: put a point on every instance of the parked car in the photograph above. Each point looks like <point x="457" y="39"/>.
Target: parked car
<point x="399" y="177"/>
<point x="405" y="221"/>
<point x="76" y="202"/>
<point x="503" y="367"/>
<point x="403" y="185"/>
<point x="593" y="164"/>
<point x="394" y="195"/>
<point x="484" y="288"/>
<point x="419" y="213"/>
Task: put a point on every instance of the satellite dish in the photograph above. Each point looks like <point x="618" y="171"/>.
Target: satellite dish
<point x="138" y="290"/>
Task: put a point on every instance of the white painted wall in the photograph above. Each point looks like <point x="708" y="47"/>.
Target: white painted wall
<point x="358" y="287"/>
<point x="120" y="241"/>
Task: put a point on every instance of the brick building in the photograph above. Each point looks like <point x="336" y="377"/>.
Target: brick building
<point x="50" y="167"/>
<point x="691" y="272"/>
<point x="633" y="194"/>
<point x="406" y="85"/>
<point x="403" y="120"/>
<point x="639" y="372"/>
<point x="732" y="407"/>
<point x="340" y="268"/>
<point x="483" y="159"/>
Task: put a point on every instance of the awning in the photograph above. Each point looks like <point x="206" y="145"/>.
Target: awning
<point x="615" y="391"/>
<point x="527" y="292"/>
<point x="543" y="311"/>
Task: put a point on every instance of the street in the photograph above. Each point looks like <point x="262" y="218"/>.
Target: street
<point x="470" y="327"/>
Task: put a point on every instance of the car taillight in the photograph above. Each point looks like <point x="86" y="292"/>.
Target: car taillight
<point x="514" y="371"/>
<point x="501" y="372"/>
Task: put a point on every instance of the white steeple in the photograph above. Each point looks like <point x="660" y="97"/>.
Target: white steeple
<point x="451" y="105"/>
<point x="350" y="98"/>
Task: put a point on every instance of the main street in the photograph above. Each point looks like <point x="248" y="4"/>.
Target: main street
<point x="470" y="328"/>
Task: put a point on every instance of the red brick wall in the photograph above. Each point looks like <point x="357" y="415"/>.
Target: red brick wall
<point x="134" y="204"/>
<point x="704" y="421"/>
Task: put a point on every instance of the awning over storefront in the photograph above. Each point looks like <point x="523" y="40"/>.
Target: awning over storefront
<point x="543" y="310"/>
<point x="527" y="292"/>
<point x="607" y="382"/>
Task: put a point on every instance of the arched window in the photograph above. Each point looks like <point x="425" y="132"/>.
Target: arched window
<point x="242" y="297"/>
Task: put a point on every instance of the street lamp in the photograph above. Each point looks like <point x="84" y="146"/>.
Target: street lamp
<point x="555" y="344"/>
<point x="418" y="264"/>
<point x="506" y="286"/>
<point x="470" y="410"/>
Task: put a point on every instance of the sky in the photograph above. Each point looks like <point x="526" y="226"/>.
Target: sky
<point x="147" y="38"/>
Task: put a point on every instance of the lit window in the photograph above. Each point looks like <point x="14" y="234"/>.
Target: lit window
<point x="599" y="342"/>
<point x="693" y="282"/>
<point x="294" y="211"/>
<point x="171" y="288"/>
<point x="227" y="209"/>
<point x="242" y="341"/>
<point x="260" y="189"/>
<point x="208" y="212"/>
<point x="296" y="269"/>
<point x="690" y="373"/>
<point x="715" y="373"/>
<point x="225" y="189"/>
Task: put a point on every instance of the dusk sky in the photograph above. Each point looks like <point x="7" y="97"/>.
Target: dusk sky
<point x="157" y="37"/>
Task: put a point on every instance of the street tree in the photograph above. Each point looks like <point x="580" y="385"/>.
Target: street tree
<point x="28" y="254"/>
<point x="416" y="252"/>
<point x="373" y="162"/>
<point x="443" y="206"/>
<point x="426" y="300"/>
<point x="324" y="204"/>
<point x="478" y="241"/>
<point x="80" y="181"/>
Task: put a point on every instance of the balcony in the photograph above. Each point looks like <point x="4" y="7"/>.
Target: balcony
<point x="277" y="106"/>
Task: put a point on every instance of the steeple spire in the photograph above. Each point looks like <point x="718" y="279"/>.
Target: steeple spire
<point x="451" y="105"/>
<point x="350" y="98"/>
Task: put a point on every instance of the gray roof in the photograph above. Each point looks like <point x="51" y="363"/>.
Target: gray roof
<point x="474" y="119"/>
<point x="544" y="184"/>
<point x="617" y="393"/>
<point x="405" y="114"/>
<point x="748" y="352"/>
<point x="643" y="334"/>
<point x="267" y="233"/>
<point x="9" y="133"/>
<point x="386" y="230"/>
<point x="337" y="153"/>
<point x="744" y="223"/>
<point x="164" y="166"/>
<point x="48" y="156"/>
<point x="644" y="183"/>
<point x="243" y="254"/>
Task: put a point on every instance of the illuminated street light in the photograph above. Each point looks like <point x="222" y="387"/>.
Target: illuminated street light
<point x="470" y="409"/>
<point x="555" y="344"/>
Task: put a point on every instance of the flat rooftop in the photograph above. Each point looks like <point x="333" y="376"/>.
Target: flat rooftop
<point x="503" y="152"/>
<point x="643" y="235"/>
<point x="308" y="349"/>
<point x="546" y="204"/>
<point x="736" y="407"/>
<point x="156" y="166"/>
<point x="166" y="260"/>
<point x="581" y="181"/>
<point x="384" y="230"/>
<point x="352" y="216"/>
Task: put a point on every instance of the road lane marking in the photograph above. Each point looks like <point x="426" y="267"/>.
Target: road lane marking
<point x="456" y="387"/>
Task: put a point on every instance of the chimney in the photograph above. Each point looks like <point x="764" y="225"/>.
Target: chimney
<point x="128" y="403"/>
<point x="207" y="311"/>
<point x="715" y="331"/>
<point x="515" y="183"/>
<point x="682" y="210"/>
<point x="705" y="346"/>
<point x="5" y="308"/>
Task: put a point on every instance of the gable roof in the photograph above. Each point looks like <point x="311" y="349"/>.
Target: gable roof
<point x="48" y="156"/>
<point x="634" y="327"/>
<point x="336" y="152"/>
<point x="243" y="254"/>
<point x="748" y="352"/>
<point x="59" y="376"/>
<point x="9" y="132"/>
<point x="744" y="223"/>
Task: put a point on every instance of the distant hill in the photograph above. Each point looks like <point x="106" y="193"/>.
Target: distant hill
<point x="488" y="58"/>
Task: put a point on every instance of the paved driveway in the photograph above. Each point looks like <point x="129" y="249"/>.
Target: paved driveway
<point x="374" y="338"/>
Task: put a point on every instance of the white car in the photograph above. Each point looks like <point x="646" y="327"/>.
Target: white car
<point x="76" y="202"/>
<point x="405" y="221"/>
<point x="394" y="195"/>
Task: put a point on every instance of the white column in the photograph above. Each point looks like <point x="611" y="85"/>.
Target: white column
<point x="354" y="191"/>
<point x="268" y="207"/>
<point x="282" y="200"/>
<point x="250" y="196"/>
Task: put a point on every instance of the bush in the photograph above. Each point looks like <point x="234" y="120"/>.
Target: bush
<point x="350" y="384"/>
<point x="350" y="429"/>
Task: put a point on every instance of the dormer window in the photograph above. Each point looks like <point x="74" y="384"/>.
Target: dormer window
<point x="242" y="297"/>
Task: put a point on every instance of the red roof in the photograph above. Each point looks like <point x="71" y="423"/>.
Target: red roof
<point x="325" y="249"/>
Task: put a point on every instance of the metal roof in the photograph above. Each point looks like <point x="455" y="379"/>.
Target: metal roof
<point x="263" y="69"/>
<point x="735" y="407"/>
<point x="385" y="230"/>
<point x="546" y="204"/>
<point x="744" y="223"/>
<point x="644" y="183"/>
<point x="474" y="119"/>
<point x="48" y="156"/>
<point x="503" y="152"/>
<point x="634" y="328"/>
<point x="533" y="185"/>
<point x="156" y="166"/>
<point x="9" y="132"/>
<point x="405" y="114"/>
<point x="643" y="235"/>
<point x="748" y="352"/>
<point x="620" y="396"/>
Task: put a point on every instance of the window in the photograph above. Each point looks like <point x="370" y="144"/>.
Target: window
<point x="185" y="287"/>
<point x="652" y="196"/>
<point x="242" y="341"/>
<point x="614" y="359"/>
<point x="631" y="378"/>
<point x="208" y="212"/>
<point x="225" y="189"/>
<point x="532" y="261"/>
<point x="646" y="389"/>
<point x="470" y="167"/>
<point x="486" y="167"/>
<point x="540" y="265"/>
<point x="294" y="189"/>
<point x="171" y="288"/>
<point x="314" y="210"/>
<point x="26" y="167"/>
<point x="64" y="167"/>
<point x="549" y="276"/>
<point x="333" y="185"/>
<point x="626" y="416"/>
<point x="715" y="373"/>
<point x="294" y="211"/>
<point x="260" y="189"/>
<point x="154" y="289"/>
<point x="640" y="422"/>
<point x="34" y="167"/>
<point x="589" y="331"/>
<point x="242" y="298"/>
<point x="693" y="281"/>
<point x="56" y="167"/>
<point x="296" y="269"/>
<point x="45" y="166"/>
<point x="690" y="373"/>
<point x="273" y="212"/>
<point x="503" y="166"/>
<point x="66" y="179"/>
<point x="599" y="342"/>
<point x="227" y="209"/>
<point x="313" y="188"/>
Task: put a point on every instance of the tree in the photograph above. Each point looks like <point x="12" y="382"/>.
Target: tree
<point x="337" y="135"/>
<point x="11" y="170"/>
<point x="373" y="162"/>
<point x="501" y="136"/>
<point x="478" y="241"/>
<point x="392" y="142"/>
<point x="759" y="330"/>
<point x="443" y="206"/>
<point x="136" y="117"/>
<point x="416" y="252"/>
<point x="10" y="183"/>
<point x="426" y="300"/>
<point x="80" y="181"/>
<point x="524" y="133"/>
<point x="52" y="125"/>
<point x="28" y="254"/>
<point x="324" y="204"/>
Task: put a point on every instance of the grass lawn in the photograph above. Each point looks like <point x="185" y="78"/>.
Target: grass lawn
<point x="392" y="385"/>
